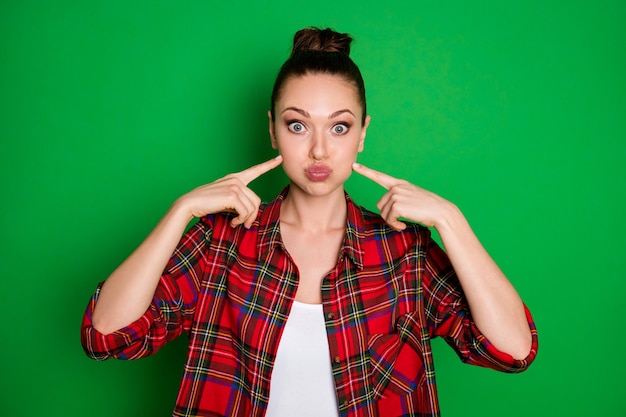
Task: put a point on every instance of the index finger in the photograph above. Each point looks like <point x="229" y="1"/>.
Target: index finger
<point x="248" y="175"/>
<point x="380" y="178"/>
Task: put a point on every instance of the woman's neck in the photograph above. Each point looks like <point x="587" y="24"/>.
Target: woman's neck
<point x="314" y="213"/>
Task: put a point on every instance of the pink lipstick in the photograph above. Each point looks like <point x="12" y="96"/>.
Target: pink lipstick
<point x="318" y="173"/>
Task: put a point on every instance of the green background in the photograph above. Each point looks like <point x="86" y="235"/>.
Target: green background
<point x="516" y="111"/>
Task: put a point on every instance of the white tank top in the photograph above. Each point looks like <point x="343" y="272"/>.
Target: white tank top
<point x="302" y="382"/>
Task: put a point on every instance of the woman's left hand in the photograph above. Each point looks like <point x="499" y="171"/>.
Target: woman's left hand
<point x="496" y="307"/>
<point x="405" y="200"/>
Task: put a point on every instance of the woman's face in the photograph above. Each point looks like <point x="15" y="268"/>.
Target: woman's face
<point x="317" y="129"/>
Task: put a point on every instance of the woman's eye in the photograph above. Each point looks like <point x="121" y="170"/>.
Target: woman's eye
<point x="296" y="127"/>
<point x="340" y="129"/>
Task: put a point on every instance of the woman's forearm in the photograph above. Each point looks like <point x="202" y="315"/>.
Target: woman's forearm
<point x="127" y="293"/>
<point x="495" y="305"/>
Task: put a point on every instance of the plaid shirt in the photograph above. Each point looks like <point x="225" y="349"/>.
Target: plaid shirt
<point x="231" y="290"/>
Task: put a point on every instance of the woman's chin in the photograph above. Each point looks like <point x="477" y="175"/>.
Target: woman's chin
<point x="317" y="188"/>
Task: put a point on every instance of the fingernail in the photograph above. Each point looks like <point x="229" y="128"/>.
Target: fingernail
<point x="278" y="157"/>
<point x="356" y="165"/>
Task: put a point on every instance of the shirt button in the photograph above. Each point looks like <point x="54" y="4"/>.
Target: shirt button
<point x="330" y="316"/>
<point x="337" y="359"/>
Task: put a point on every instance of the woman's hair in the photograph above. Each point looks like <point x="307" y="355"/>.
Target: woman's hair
<point x="320" y="51"/>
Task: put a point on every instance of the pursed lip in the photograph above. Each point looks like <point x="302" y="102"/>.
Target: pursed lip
<point x="318" y="172"/>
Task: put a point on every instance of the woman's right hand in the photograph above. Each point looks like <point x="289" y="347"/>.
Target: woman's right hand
<point x="230" y="193"/>
<point x="127" y="293"/>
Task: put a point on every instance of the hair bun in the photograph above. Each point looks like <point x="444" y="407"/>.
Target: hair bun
<point x="321" y="40"/>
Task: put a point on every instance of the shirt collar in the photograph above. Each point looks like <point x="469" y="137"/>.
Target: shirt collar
<point x="269" y="229"/>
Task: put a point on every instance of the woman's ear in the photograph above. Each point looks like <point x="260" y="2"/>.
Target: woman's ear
<point x="272" y="131"/>
<point x="364" y="132"/>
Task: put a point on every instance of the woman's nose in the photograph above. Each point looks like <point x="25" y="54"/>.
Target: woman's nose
<point x="319" y="147"/>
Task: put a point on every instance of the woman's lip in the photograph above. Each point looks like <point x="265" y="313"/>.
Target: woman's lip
<point x="318" y="172"/>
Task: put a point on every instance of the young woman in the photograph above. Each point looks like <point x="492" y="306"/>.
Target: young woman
<point x="311" y="305"/>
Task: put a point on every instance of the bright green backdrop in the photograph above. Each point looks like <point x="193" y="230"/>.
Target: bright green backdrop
<point x="516" y="111"/>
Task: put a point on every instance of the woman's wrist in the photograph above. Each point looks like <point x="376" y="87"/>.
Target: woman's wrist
<point x="181" y="210"/>
<point x="450" y="216"/>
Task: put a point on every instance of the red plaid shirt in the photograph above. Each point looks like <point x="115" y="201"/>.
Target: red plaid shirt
<point x="231" y="290"/>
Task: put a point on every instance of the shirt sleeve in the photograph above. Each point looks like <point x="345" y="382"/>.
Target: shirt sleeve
<point x="171" y="310"/>
<point x="448" y="315"/>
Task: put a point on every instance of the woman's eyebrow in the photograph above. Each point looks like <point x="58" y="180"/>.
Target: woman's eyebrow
<point x="340" y="112"/>
<point x="308" y="115"/>
<point x="298" y="110"/>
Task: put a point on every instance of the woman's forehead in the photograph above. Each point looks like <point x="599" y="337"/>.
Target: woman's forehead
<point x="319" y="91"/>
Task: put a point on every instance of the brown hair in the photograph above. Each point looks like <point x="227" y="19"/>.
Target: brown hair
<point x="318" y="51"/>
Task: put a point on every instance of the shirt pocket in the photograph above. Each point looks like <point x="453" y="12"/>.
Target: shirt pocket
<point x="397" y="368"/>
